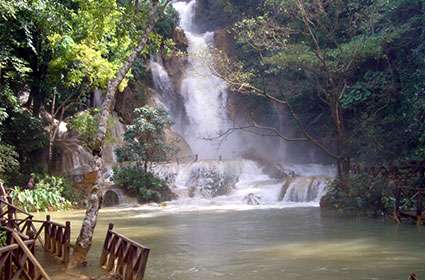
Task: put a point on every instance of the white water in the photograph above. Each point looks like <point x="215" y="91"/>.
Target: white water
<point x="232" y="183"/>
<point x="238" y="183"/>
<point x="204" y="94"/>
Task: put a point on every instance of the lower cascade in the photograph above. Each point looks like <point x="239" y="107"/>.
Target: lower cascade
<point x="243" y="182"/>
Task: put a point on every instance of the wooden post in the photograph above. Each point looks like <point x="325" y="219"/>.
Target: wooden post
<point x="397" y="204"/>
<point x="58" y="241"/>
<point x="53" y="236"/>
<point x="3" y="222"/>
<point x="10" y="224"/>
<point x="143" y="263"/>
<point x="8" y="263"/>
<point x="196" y="157"/>
<point x="419" y="208"/>
<point x="67" y="243"/>
<point x="104" y="255"/>
<point x="30" y="256"/>
<point x="31" y="267"/>
<point x="47" y="228"/>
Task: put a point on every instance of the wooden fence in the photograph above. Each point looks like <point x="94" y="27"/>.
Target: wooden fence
<point x="124" y="256"/>
<point x="57" y="239"/>
<point x="403" y="197"/>
<point x="17" y="259"/>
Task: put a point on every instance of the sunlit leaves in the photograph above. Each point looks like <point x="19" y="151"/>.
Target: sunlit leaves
<point x="94" y="47"/>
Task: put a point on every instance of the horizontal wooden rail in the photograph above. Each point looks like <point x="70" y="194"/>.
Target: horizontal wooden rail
<point x="17" y="259"/>
<point x="124" y="256"/>
<point x="17" y="209"/>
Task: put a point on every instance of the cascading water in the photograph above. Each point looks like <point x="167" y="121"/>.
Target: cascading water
<point x="238" y="182"/>
<point x="204" y="94"/>
<point x="230" y="181"/>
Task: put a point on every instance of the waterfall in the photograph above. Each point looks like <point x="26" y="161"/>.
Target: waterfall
<point x="306" y="189"/>
<point x="231" y="180"/>
<point x="204" y="94"/>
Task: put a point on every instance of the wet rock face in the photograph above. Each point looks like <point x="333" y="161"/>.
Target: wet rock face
<point x="224" y="41"/>
<point x="180" y="39"/>
<point x="180" y="148"/>
<point x="167" y="195"/>
<point x="176" y="64"/>
<point x="134" y="96"/>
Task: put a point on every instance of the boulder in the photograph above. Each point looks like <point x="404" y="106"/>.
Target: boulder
<point x="252" y="199"/>
<point x="210" y="183"/>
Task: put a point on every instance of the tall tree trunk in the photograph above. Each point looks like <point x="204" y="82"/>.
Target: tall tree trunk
<point x="109" y="102"/>
<point x="84" y="239"/>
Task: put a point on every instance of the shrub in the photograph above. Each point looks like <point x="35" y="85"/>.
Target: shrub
<point x="50" y="193"/>
<point x="366" y="195"/>
<point x="146" y="186"/>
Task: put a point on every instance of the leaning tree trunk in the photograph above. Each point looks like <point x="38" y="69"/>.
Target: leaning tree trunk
<point x="84" y="239"/>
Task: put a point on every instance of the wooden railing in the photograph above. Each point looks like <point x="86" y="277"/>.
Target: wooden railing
<point x="124" y="256"/>
<point x="17" y="259"/>
<point x="404" y="196"/>
<point x="57" y="239"/>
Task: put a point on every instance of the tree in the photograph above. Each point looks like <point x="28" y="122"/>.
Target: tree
<point x="144" y="139"/>
<point x="317" y="47"/>
<point x="144" y="144"/>
<point x="155" y="12"/>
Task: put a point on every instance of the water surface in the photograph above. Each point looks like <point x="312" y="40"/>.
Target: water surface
<point x="292" y="243"/>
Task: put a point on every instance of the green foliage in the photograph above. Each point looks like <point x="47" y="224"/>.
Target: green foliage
<point x="40" y="199"/>
<point x="86" y="124"/>
<point x="94" y="45"/>
<point x="145" y="139"/>
<point x="61" y="184"/>
<point x="58" y="52"/>
<point x="50" y="193"/>
<point x="213" y="14"/>
<point x="372" y="49"/>
<point x="21" y="135"/>
<point x="9" y="164"/>
<point x="366" y="195"/>
<point x="146" y="186"/>
<point x="167" y="24"/>
<point x="144" y="143"/>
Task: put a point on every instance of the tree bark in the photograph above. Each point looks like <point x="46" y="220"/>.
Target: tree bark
<point x="84" y="239"/>
<point x="109" y="102"/>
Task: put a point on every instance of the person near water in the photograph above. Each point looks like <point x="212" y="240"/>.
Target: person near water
<point x="30" y="185"/>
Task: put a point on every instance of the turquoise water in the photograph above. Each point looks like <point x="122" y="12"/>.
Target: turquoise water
<point x="292" y="243"/>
